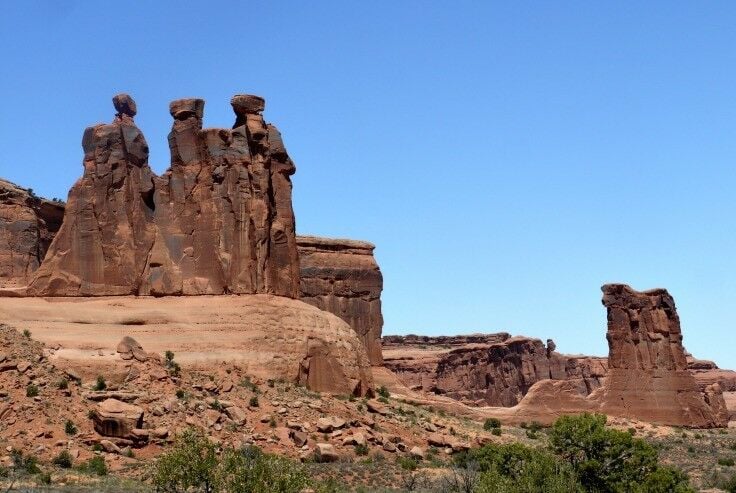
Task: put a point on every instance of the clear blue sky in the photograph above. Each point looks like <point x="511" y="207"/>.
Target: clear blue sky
<point x="507" y="158"/>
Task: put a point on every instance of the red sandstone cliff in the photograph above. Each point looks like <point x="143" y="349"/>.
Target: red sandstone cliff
<point x="342" y="277"/>
<point x="27" y="227"/>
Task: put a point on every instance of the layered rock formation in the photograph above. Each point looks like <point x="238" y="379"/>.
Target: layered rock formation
<point x="487" y="369"/>
<point x="219" y="221"/>
<point x="267" y="337"/>
<point x="648" y="378"/>
<point x="27" y="227"/>
<point x="342" y="277"/>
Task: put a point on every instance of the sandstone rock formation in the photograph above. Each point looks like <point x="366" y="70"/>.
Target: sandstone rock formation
<point x="114" y="418"/>
<point x="486" y="369"/>
<point x="27" y="226"/>
<point x="219" y="221"/>
<point x="268" y="337"/>
<point x="648" y="377"/>
<point x="342" y="277"/>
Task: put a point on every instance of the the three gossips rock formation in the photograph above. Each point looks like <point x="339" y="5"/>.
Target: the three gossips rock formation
<point x="648" y="377"/>
<point x="219" y="221"/>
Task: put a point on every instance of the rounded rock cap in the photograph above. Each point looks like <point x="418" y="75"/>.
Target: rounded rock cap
<point x="184" y="108"/>
<point x="244" y="104"/>
<point x="124" y="104"/>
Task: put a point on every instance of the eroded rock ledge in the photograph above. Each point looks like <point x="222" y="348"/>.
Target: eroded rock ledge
<point x="343" y="278"/>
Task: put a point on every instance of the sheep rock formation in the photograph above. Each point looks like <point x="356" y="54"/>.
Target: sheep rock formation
<point x="648" y="377"/>
<point x="343" y="278"/>
<point x="219" y="221"/>
<point x="27" y="227"/>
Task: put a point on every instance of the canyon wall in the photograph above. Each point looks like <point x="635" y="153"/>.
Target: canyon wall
<point x="28" y="224"/>
<point x="486" y="369"/>
<point x="219" y="221"/>
<point x="343" y="278"/>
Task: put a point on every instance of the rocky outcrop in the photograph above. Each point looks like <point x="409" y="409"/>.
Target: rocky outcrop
<point x="219" y="221"/>
<point x="27" y="227"/>
<point x="342" y="277"/>
<point x="486" y="369"/>
<point x="267" y="337"/>
<point x="648" y="377"/>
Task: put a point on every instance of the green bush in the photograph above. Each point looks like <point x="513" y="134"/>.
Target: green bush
<point x="605" y="459"/>
<point x="44" y="478"/>
<point x="180" y="394"/>
<point x="491" y="423"/>
<point x="70" y="428"/>
<point x="407" y="463"/>
<point x="383" y="392"/>
<point x="63" y="460"/>
<point x="26" y="464"/>
<point x="361" y="449"/>
<point x="96" y="465"/>
<point x="192" y="464"/>
<point x="496" y="432"/>
<point x="62" y="384"/>
<point x="189" y="464"/>
<point x="516" y="468"/>
<point x="253" y="401"/>
<point x="31" y="390"/>
<point x="27" y="333"/>
<point x="100" y="384"/>
<point x="725" y="461"/>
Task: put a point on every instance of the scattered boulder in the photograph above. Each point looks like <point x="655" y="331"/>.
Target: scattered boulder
<point x="325" y="452"/>
<point x="114" y="418"/>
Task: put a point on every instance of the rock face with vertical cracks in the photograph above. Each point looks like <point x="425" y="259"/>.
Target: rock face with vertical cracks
<point x="27" y="226"/>
<point x="219" y="221"/>
<point x="342" y="277"/>
<point x="648" y="377"/>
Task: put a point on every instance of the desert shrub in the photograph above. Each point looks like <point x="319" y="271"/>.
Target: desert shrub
<point x="26" y="333"/>
<point x="249" y="470"/>
<point x="725" y="461"/>
<point x="729" y="485"/>
<point x="247" y="383"/>
<point x="253" y="401"/>
<point x="168" y="357"/>
<point x="383" y="400"/>
<point x="44" y="478"/>
<point x="407" y="463"/>
<point x="496" y="432"/>
<point x="192" y="464"/>
<point x="62" y="384"/>
<point x="100" y="384"/>
<point x="518" y="468"/>
<point x="96" y="465"/>
<point x="189" y="464"/>
<point x="383" y="392"/>
<point x="28" y="464"/>
<point x="180" y="393"/>
<point x="606" y="460"/>
<point x="63" y="460"/>
<point x="70" y="428"/>
<point x="4" y="472"/>
<point x="491" y="423"/>
<point x="361" y="449"/>
<point x="31" y="390"/>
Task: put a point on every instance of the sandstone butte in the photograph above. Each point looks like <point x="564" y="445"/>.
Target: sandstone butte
<point x="646" y="375"/>
<point x="220" y="223"/>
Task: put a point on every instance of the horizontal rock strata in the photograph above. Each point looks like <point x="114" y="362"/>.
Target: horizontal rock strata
<point x="342" y="277"/>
